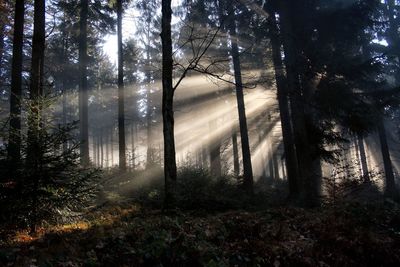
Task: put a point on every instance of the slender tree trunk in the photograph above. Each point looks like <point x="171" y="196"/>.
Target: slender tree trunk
<point x="121" y="108"/>
<point x="235" y="151"/>
<point x="64" y="85"/>
<point x="363" y="157"/>
<point x="112" y="147"/>
<point x="390" y="186"/>
<point x="270" y="166"/>
<point x="170" y="171"/>
<point x="283" y="165"/>
<point x="83" y="87"/>
<point x="98" y="150"/>
<point x="133" y="145"/>
<point x="287" y="133"/>
<point x="107" y="144"/>
<point x="247" y="167"/>
<point x="276" y="165"/>
<point x="215" y="152"/>
<point x="149" y="117"/>
<point x="14" y="144"/>
<point x="101" y="149"/>
<point x="204" y="161"/>
<point x="94" y="148"/>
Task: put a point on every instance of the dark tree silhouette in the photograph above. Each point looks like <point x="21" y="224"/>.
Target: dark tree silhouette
<point x="121" y="92"/>
<point x="14" y="145"/>
<point x="83" y="85"/>
<point x="170" y="171"/>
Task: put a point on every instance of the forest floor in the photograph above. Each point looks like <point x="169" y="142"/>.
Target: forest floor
<point x="351" y="234"/>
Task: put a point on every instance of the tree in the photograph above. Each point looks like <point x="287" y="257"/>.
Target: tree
<point x="287" y="134"/>
<point x="148" y="29"/>
<point x="247" y="168"/>
<point x="170" y="171"/>
<point x="35" y="123"/>
<point x="83" y="86"/>
<point x="14" y="144"/>
<point x="121" y="105"/>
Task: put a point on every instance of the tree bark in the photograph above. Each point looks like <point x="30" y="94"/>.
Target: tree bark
<point x="170" y="170"/>
<point x="83" y="87"/>
<point x="236" y="166"/>
<point x="247" y="167"/>
<point x="121" y="96"/>
<point x="14" y="144"/>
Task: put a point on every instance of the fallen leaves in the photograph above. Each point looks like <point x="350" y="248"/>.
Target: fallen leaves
<point x="123" y="236"/>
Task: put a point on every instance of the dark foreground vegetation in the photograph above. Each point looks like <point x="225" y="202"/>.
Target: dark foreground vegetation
<point x="212" y="226"/>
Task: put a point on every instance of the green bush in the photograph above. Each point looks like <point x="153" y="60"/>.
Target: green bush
<point x="48" y="183"/>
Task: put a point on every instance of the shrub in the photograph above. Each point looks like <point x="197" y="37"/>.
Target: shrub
<point x="49" y="182"/>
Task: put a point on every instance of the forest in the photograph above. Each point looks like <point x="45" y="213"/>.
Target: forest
<point x="199" y="133"/>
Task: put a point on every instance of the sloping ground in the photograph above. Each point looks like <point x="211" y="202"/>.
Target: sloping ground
<point x="352" y="235"/>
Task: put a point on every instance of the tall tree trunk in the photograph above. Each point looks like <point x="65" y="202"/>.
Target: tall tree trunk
<point x="14" y="144"/>
<point x="83" y="87"/>
<point x="37" y="66"/>
<point x="64" y="84"/>
<point x="287" y="133"/>
<point x="170" y="171"/>
<point x="34" y="153"/>
<point x="149" y="117"/>
<point x="305" y="149"/>
<point x="121" y="108"/>
<point x="247" y="167"/>
<point x="390" y="186"/>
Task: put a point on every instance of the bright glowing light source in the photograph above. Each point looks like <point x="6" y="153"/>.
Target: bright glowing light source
<point x="381" y="42"/>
